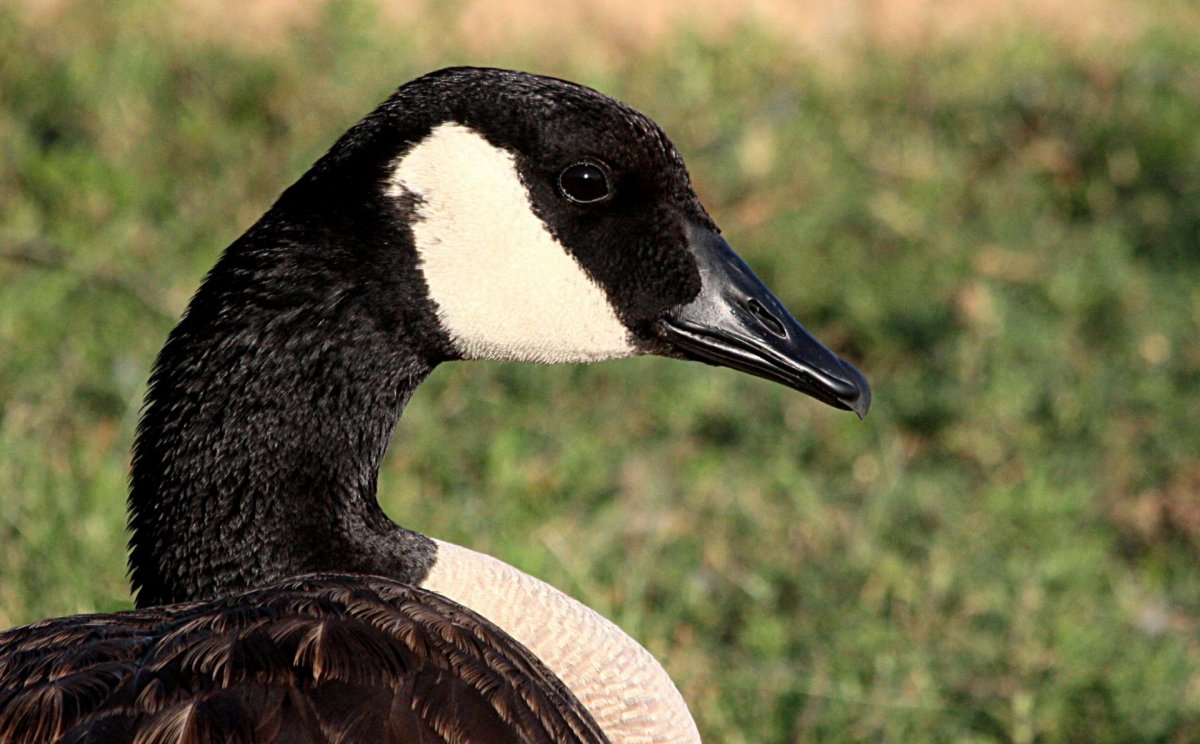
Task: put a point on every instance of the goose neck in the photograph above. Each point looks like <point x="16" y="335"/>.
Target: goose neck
<point x="268" y="415"/>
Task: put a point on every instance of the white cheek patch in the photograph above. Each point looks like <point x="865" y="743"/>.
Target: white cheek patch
<point x="503" y="286"/>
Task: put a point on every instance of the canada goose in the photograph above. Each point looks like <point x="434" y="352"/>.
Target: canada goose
<point x="476" y="214"/>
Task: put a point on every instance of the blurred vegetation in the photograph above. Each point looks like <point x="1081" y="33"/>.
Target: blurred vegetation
<point x="1006" y="237"/>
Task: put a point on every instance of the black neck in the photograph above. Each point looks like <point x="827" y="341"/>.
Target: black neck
<point x="269" y="411"/>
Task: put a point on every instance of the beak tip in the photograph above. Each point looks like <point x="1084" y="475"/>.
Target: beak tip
<point x="856" y="395"/>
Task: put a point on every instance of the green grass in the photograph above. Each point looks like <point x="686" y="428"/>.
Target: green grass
<point x="1006" y="238"/>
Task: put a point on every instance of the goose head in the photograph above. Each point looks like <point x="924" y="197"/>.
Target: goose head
<point x="550" y="223"/>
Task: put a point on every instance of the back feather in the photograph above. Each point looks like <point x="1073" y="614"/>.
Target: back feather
<point x="320" y="659"/>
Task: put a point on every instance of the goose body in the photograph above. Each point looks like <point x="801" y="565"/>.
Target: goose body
<point x="476" y="214"/>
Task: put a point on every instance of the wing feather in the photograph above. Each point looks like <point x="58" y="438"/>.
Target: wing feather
<point x="320" y="659"/>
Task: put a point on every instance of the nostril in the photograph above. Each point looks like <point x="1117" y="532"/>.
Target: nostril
<point x="770" y="321"/>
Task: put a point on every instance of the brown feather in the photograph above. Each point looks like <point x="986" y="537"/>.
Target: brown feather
<point x="324" y="658"/>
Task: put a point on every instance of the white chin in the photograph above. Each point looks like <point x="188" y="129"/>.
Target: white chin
<point x="504" y="287"/>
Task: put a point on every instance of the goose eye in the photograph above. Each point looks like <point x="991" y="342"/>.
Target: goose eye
<point x="584" y="183"/>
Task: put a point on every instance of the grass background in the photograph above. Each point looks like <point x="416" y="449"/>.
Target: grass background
<point x="1002" y="228"/>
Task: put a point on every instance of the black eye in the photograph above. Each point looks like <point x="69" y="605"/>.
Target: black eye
<point x="584" y="183"/>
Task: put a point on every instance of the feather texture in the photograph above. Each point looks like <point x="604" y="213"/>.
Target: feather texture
<point x="321" y="658"/>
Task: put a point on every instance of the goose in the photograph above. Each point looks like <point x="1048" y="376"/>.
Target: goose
<point x="475" y="214"/>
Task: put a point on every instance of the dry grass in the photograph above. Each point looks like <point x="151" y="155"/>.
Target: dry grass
<point x="613" y="28"/>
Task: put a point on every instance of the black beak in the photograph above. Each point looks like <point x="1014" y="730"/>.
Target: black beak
<point x="737" y="322"/>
